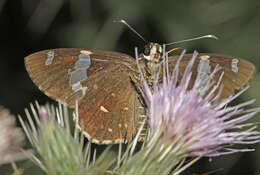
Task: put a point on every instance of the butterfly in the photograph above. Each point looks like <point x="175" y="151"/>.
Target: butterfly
<point x="110" y="107"/>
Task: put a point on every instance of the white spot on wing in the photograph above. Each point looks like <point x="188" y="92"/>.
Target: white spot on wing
<point x="204" y="71"/>
<point x="76" y="86"/>
<point x="204" y="57"/>
<point x="50" y="57"/>
<point x="77" y="75"/>
<point x="234" y="66"/>
<point x="86" y="52"/>
<point x="102" y="108"/>
<point x="83" y="61"/>
<point x="95" y="86"/>
<point x="80" y="72"/>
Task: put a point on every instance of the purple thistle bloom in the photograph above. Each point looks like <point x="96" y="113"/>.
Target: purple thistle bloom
<point x="11" y="139"/>
<point x="46" y="115"/>
<point x="201" y="126"/>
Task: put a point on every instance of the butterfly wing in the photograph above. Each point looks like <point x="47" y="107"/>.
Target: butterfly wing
<point x="99" y="81"/>
<point x="237" y="71"/>
<point x="112" y="104"/>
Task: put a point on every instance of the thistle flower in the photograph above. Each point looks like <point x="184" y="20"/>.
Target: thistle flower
<point x="11" y="139"/>
<point x="58" y="152"/>
<point x="197" y="125"/>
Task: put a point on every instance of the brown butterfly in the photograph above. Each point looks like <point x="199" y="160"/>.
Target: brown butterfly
<point x="103" y="82"/>
<point x="110" y="107"/>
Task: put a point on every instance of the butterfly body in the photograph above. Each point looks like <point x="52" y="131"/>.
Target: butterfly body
<point x="110" y="107"/>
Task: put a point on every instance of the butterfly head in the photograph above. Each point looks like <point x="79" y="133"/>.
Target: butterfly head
<point x="153" y="52"/>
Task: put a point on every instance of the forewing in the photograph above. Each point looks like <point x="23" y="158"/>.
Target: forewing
<point x="109" y="105"/>
<point x="237" y="71"/>
<point x="55" y="79"/>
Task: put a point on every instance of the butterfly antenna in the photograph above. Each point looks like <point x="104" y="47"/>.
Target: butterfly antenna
<point x="192" y="39"/>
<point x="131" y="28"/>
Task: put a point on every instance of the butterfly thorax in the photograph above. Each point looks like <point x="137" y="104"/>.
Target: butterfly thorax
<point x="150" y="61"/>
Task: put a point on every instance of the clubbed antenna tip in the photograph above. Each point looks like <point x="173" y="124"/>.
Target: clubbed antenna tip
<point x="119" y="20"/>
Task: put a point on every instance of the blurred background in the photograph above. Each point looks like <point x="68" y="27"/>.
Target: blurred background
<point x="28" y="26"/>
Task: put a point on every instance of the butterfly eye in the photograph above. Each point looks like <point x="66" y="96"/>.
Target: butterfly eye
<point x="147" y="50"/>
